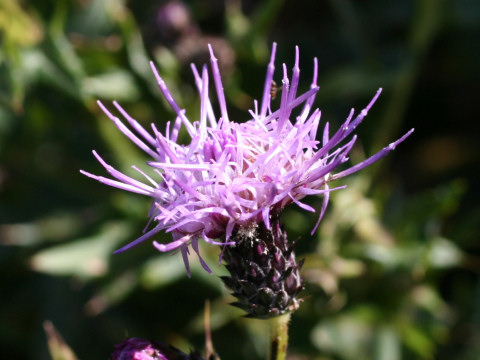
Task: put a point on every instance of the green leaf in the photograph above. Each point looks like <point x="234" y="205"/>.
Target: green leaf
<point x="59" y="350"/>
<point x="115" y="85"/>
<point x="86" y="258"/>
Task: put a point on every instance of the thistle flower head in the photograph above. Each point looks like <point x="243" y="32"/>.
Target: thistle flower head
<point x="233" y="174"/>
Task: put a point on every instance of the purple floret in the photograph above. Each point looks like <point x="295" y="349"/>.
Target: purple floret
<point x="235" y="174"/>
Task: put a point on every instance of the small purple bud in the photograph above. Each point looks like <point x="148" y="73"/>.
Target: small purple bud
<point x="137" y="349"/>
<point x="141" y="349"/>
<point x="173" y="19"/>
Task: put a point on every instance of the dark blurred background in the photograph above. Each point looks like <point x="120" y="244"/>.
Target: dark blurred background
<point x="393" y="271"/>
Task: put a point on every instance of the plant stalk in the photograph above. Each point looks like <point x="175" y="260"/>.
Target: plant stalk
<point x="278" y="337"/>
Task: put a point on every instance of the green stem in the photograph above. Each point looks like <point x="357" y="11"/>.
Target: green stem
<point x="278" y="337"/>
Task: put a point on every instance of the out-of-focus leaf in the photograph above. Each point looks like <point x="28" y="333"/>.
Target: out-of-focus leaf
<point x="19" y="27"/>
<point x="328" y="274"/>
<point x="344" y="336"/>
<point x="352" y="208"/>
<point x="349" y="80"/>
<point x="115" y="85"/>
<point x="112" y="293"/>
<point x="36" y="66"/>
<point x="55" y="227"/>
<point x="137" y="54"/>
<point x="428" y="17"/>
<point x="418" y="341"/>
<point x="85" y="258"/>
<point x="92" y="18"/>
<point x="257" y="330"/>
<point x="426" y="297"/>
<point x="443" y="253"/>
<point x="238" y="24"/>
<point x="64" y="51"/>
<point x="220" y="315"/>
<point x="249" y="32"/>
<point x="59" y="350"/>
<point x="166" y="63"/>
<point x="20" y="30"/>
<point x="162" y="271"/>
<point x="387" y="344"/>
<point x="417" y="216"/>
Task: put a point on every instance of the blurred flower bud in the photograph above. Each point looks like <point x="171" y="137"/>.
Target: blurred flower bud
<point x="173" y="21"/>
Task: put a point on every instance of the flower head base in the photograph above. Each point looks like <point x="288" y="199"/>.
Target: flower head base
<point x="233" y="175"/>
<point x="264" y="273"/>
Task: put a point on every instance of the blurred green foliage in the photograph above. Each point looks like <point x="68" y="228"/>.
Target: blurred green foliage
<point x="392" y="273"/>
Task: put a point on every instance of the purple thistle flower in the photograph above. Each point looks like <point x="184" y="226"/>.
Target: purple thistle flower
<point x="232" y="174"/>
<point x="141" y="349"/>
<point x="137" y="349"/>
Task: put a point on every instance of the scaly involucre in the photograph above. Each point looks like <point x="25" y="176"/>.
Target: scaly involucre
<point x="235" y="174"/>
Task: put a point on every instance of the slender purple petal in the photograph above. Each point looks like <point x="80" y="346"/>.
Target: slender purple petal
<point x="374" y="158"/>
<point x="134" y="124"/>
<point x="168" y="96"/>
<point x="127" y="132"/>
<point x="141" y="239"/>
<point x="217" y="78"/>
<point x="326" y="197"/>
<point x="268" y="83"/>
